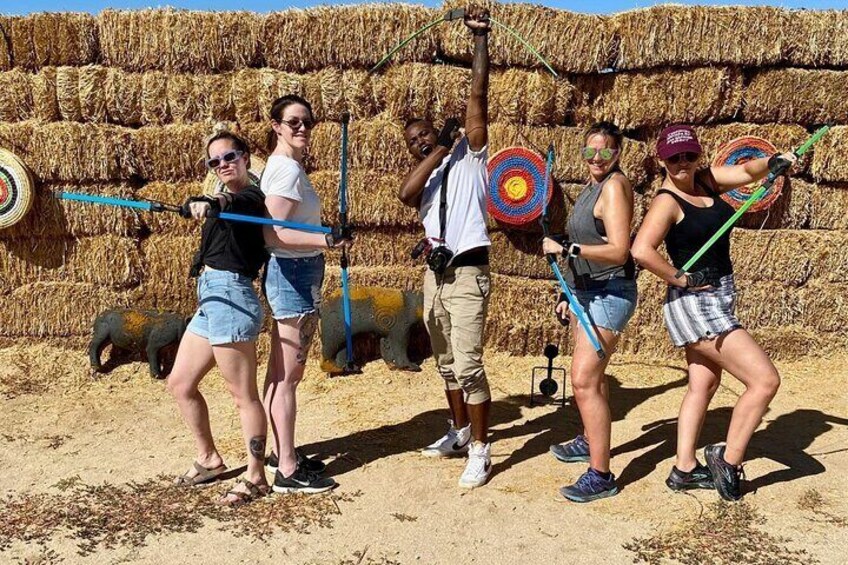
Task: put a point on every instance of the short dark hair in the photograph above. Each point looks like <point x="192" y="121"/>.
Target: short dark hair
<point x="412" y="121"/>
<point x="607" y="129"/>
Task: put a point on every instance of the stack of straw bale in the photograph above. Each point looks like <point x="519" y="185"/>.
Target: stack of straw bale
<point x="119" y="104"/>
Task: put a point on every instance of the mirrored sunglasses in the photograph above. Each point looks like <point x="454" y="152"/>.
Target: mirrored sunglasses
<point x="228" y="157"/>
<point x="606" y="154"/>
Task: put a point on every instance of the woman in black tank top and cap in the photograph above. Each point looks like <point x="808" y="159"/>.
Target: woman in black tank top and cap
<point x="699" y="307"/>
<point x="601" y="275"/>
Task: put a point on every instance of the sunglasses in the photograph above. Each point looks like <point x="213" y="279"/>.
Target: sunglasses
<point x="295" y="124"/>
<point x="687" y="156"/>
<point x="606" y="153"/>
<point x="227" y="157"/>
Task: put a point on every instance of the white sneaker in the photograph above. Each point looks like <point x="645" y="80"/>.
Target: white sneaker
<point x="479" y="465"/>
<point x="455" y="442"/>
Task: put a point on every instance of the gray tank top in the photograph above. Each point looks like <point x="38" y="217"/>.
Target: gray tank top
<point x="584" y="228"/>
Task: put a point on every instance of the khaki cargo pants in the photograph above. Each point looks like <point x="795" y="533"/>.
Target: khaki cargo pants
<point x="455" y="307"/>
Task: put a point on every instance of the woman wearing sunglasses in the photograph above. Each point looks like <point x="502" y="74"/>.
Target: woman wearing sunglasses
<point x="699" y="306"/>
<point x="293" y="282"/>
<point x="601" y="274"/>
<point x="224" y="329"/>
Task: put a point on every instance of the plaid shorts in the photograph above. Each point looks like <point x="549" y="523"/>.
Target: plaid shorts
<point x="691" y="317"/>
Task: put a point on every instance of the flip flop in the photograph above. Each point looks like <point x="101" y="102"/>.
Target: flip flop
<point x="254" y="492"/>
<point x="204" y="476"/>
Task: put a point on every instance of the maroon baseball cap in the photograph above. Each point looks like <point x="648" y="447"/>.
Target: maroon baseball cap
<point x="677" y="139"/>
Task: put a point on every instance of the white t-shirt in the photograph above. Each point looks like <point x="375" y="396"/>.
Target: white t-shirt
<point x="283" y="176"/>
<point x="465" y="222"/>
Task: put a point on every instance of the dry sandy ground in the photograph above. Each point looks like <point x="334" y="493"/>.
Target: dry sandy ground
<point x="403" y="508"/>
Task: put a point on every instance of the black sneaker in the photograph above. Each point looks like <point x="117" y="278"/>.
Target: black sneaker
<point x="312" y="465"/>
<point x="302" y="481"/>
<point x="727" y="477"/>
<point x="699" y="477"/>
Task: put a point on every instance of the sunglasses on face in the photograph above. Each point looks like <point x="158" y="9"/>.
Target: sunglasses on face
<point x="295" y="124"/>
<point x="228" y="157"/>
<point x="606" y="154"/>
<point x="688" y="157"/>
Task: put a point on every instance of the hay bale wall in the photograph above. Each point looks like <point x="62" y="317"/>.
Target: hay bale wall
<point x="118" y="104"/>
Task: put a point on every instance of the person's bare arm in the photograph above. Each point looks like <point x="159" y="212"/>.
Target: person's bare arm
<point x="733" y="176"/>
<point x="413" y="185"/>
<point x="477" y="112"/>
<point x="282" y="208"/>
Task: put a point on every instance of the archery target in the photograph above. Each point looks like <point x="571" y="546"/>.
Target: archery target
<point x="741" y="150"/>
<point x="517" y="188"/>
<point x="16" y="189"/>
<point x="211" y="184"/>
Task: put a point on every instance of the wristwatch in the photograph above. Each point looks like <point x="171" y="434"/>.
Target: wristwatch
<point x="574" y="250"/>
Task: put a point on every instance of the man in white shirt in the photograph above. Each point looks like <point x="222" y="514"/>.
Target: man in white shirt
<point x="457" y="284"/>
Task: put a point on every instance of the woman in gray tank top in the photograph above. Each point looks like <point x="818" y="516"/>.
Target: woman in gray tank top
<point x="601" y="276"/>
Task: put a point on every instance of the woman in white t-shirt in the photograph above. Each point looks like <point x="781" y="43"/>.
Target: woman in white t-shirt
<point x="292" y="286"/>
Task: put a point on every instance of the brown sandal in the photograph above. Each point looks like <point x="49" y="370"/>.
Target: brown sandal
<point x="204" y="476"/>
<point x="254" y="492"/>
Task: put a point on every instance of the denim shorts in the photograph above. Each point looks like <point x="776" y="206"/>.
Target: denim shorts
<point x="609" y="304"/>
<point x="228" y="309"/>
<point x="293" y="286"/>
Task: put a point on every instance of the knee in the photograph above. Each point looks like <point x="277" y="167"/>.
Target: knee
<point x="292" y="378"/>
<point x="768" y="385"/>
<point x="704" y="388"/>
<point x="584" y="381"/>
<point x="178" y="388"/>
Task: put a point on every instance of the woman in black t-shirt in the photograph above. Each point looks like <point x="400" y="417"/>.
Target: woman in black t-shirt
<point x="227" y="322"/>
<point x="699" y="307"/>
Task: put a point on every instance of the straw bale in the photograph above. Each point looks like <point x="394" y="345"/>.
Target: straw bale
<point x="360" y="96"/>
<point x="92" y="93"/>
<point x="345" y="36"/>
<point x="797" y="96"/>
<point x="786" y="256"/>
<point x="829" y="157"/>
<point x="108" y="260"/>
<point x="180" y="40"/>
<point x="123" y="97"/>
<point x="182" y="96"/>
<point x="16" y="137"/>
<point x="786" y="343"/>
<point x="171" y="193"/>
<point x="375" y="145"/>
<point x="829" y="207"/>
<point x="817" y="38"/>
<point x="372" y="198"/>
<point x="783" y="137"/>
<point x="245" y="91"/>
<point x="15" y="96"/>
<point x="68" y="94"/>
<point x="45" y="104"/>
<point x="818" y="306"/>
<point x="51" y="217"/>
<point x="527" y="97"/>
<point x="43" y="39"/>
<point x="154" y="98"/>
<point x="568" y="141"/>
<point x="172" y="152"/>
<point x="691" y="36"/>
<point x="792" y="210"/>
<point x="214" y="99"/>
<point x="67" y="151"/>
<point x="5" y="44"/>
<point x="167" y="260"/>
<point x="658" y="97"/>
<point x="432" y="92"/>
<point x="571" y="42"/>
<point x="56" y="309"/>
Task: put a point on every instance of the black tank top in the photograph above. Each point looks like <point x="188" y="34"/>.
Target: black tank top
<point x="698" y="225"/>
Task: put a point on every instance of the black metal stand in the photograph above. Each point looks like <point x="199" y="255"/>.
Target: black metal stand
<point x="547" y="386"/>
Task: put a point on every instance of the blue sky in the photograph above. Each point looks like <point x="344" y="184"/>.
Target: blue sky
<point x="594" y="6"/>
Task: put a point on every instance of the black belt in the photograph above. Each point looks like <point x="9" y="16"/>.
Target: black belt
<point x="476" y="257"/>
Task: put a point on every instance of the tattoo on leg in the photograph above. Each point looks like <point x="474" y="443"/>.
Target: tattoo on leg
<point x="257" y="447"/>
<point x="308" y="325"/>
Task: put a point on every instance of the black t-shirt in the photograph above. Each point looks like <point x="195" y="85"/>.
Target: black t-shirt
<point x="238" y="247"/>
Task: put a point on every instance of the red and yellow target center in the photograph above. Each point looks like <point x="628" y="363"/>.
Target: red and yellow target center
<point x="516" y="188"/>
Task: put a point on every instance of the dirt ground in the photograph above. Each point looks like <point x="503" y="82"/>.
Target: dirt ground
<point x="60" y="431"/>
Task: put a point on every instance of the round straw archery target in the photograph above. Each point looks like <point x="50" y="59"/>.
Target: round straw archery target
<point x="516" y="186"/>
<point x="211" y="184"/>
<point x="738" y="151"/>
<point x="16" y="190"/>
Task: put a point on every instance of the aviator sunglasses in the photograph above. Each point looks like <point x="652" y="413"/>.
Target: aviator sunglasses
<point x="687" y="156"/>
<point x="606" y="154"/>
<point x="295" y="123"/>
<point x="227" y="157"/>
